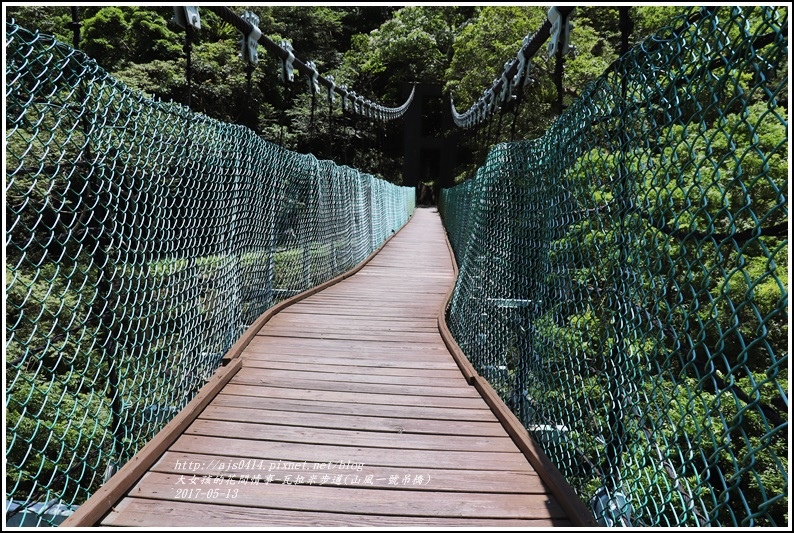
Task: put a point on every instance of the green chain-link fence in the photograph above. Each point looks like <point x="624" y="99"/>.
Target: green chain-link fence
<point x="141" y="241"/>
<point x="623" y="279"/>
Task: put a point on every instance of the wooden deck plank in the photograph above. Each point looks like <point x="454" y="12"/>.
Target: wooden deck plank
<point x="303" y="357"/>
<point x="349" y="323"/>
<point x="364" y="335"/>
<point x="140" y="512"/>
<point x="261" y="430"/>
<point x="354" y="370"/>
<point x="342" y="376"/>
<point x="318" y="453"/>
<point x="387" y="359"/>
<point x="350" y="330"/>
<point x="355" y="374"/>
<point x="389" y="477"/>
<point x="352" y="349"/>
<point x="238" y="413"/>
<point x="265" y="391"/>
<point x="387" y="412"/>
<point x="406" y="312"/>
<point x="352" y="324"/>
<point x="350" y="292"/>
<point x="402" y="303"/>
<point x="251" y="377"/>
<point x="349" y="314"/>
<point x="346" y="499"/>
<point x="421" y="358"/>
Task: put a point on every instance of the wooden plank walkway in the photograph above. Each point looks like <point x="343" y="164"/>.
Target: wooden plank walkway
<point x="348" y="410"/>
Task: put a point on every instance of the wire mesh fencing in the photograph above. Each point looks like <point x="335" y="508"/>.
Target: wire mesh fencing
<point x="623" y="279"/>
<point x="141" y="241"/>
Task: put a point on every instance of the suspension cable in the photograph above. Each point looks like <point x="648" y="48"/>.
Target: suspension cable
<point x="370" y="109"/>
<point x="530" y="47"/>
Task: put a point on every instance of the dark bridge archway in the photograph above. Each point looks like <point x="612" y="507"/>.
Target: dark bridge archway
<point x="430" y="138"/>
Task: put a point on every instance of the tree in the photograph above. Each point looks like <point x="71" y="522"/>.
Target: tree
<point x="492" y="37"/>
<point x="414" y="46"/>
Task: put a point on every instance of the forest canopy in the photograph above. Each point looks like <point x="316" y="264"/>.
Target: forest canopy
<point x="374" y="50"/>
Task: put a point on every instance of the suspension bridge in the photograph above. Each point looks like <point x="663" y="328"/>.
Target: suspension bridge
<point x="207" y="329"/>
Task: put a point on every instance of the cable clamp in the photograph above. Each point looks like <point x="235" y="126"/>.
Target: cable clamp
<point x="560" y="31"/>
<point x="314" y="87"/>
<point x="330" y="79"/>
<point x="522" y="64"/>
<point x="251" y="41"/>
<point x="489" y="101"/>
<point x="506" y="85"/>
<point x="287" y="71"/>
<point x="353" y="102"/>
<point x="185" y="16"/>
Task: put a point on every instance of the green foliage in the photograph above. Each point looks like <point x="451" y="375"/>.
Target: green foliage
<point x="105" y="37"/>
<point x="154" y="39"/>
<point x="415" y="45"/>
<point x="159" y="79"/>
<point x="55" y="438"/>
<point x="483" y="45"/>
<point x="51" y="20"/>
<point x="312" y="32"/>
<point x="649" y="19"/>
<point x="494" y="35"/>
<point x="375" y="50"/>
<point x="593" y="54"/>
